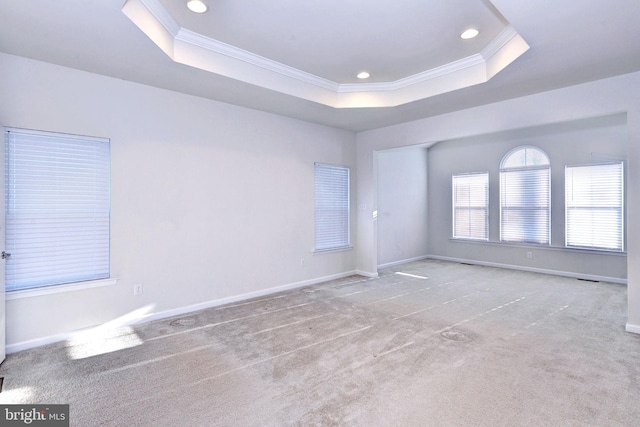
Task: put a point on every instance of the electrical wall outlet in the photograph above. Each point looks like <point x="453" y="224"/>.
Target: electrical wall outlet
<point x="302" y="262"/>
<point x="137" y="289"/>
<point x="529" y="254"/>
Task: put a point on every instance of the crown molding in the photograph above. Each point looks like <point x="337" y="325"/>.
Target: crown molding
<point x="162" y="15"/>
<point x="190" y="48"/>
<point x="230" y="51"/>
<point x="443" y="70"/>
<point x="499" y="42"/>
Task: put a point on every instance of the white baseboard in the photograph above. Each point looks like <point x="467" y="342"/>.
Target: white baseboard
<point x="405" y="261"/>
<point x="243" y="297"/>
<point x="534" y="270"/>
<point x="38" y="342"/>
<point x="634" y="329"/>
<point x="367" y="274"/>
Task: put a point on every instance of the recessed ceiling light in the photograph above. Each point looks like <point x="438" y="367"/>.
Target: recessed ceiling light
<point x="363" y="75"/>
<point x="197" y="6"/>
<point x="469" y="34"/>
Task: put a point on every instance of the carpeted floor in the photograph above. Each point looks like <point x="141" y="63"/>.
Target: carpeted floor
<point x="441" y="344"/>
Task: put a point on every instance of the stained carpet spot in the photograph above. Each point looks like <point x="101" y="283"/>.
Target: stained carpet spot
<point x="454" y="336"/>
<point x="184" y="321"/>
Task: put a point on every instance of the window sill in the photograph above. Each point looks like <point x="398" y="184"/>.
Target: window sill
<point x="56" y="289"/>
<point x="540" y="246"/>
<point x="340" y="249"/>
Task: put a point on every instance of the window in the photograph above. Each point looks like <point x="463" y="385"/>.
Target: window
<point x="331" y="207"/>
<point x="525" y="188"/>
<point x="594" y="206"/>
<point x="471" y="206"/>
<point x="57" y="209"/>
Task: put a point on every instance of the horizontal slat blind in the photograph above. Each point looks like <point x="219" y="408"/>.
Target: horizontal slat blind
<point x="525" y="205"/>
<point x="57" y="209"/>
<point x="471" y="206"/>
<point x="331" y="207"/>
<point x="594" y="206"/>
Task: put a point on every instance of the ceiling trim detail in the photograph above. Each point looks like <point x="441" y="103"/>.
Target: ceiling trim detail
<point x="190" y="48"/>
<point x="218" y="47"/>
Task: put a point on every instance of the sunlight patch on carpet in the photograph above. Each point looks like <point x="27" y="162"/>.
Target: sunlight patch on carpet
<point x="102" y="341"/>
<point x="16" y="395"/>
<point x="112" y="336"/>
<point x="415" y="276"/>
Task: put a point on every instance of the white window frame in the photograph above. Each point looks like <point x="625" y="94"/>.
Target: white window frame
<point x="470" y="206"/>
<point x="525" y="193"/>
<point x="594" y="206"/>
<point x="332" y="212"/>
<point x="57" y="207"/>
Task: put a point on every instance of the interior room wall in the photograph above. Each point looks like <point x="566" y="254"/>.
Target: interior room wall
<point x="209" y="202"/>
<point x="604" y="97"/>
<point x="402" y="205"/>
<point x="568" y="143"/>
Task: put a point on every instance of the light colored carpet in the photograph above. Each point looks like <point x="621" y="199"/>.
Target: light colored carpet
<point x="446" y="345"/>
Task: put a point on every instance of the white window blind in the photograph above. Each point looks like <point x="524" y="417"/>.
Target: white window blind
<point x="471" y="206"/>
<point x="525" y="196"/>
<point x="594" y="197"/>
<point x="57" y="209"/>
<point x="331" y="207"/>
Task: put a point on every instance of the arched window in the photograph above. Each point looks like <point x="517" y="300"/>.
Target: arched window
<point x="525" y="189"/>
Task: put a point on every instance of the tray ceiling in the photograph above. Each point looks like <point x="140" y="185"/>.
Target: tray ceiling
<point x="323" y="45"/>
<point x="412" y="49"/>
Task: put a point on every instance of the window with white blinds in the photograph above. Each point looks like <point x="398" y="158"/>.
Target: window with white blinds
<point x="525" y="196"/>
<point x="331" y="207"/>
<point x="57" y="209"/>
<point x="471" y="206"/>
<point x="594" y="197"/>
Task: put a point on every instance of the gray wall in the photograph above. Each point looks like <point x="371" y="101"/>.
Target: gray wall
<point x="402" y="205"/>
<point x="600" y="98"/>
<point x="576" y="142"/>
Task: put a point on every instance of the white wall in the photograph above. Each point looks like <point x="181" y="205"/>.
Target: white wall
<point x="402" y="205"/>
<point x="600" y="98"/>
<point x="209" y="200"/>
<point x="213" y="201"/>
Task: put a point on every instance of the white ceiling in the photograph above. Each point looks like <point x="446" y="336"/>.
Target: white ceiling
<point x="335" y="39"/>
<point x="405" y="73"/>
<point x="570" y="41"/>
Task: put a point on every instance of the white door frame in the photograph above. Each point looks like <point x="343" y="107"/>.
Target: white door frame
<point x="3" y="308"/>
